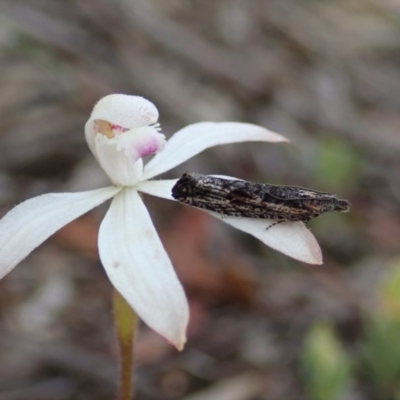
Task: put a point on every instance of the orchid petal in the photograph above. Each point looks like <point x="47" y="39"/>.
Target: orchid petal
<point x="293" y="239"/>
<point x="122" y="110"/>
<point x="161" y="188"/>
<point x="139" y="268"/>
<point x="30" y="223"/>
<point x="195" y="138"/>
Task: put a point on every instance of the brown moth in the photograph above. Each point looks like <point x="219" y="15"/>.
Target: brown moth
<point x="239" y="198"/>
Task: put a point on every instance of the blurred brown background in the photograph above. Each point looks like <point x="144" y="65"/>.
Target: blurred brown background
<point x="326" y="74"/>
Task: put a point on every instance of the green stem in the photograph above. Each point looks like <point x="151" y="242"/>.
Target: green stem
<point x="126" y="322"/>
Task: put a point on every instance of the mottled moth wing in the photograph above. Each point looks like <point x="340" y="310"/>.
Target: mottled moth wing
<point x="254" y="200"/>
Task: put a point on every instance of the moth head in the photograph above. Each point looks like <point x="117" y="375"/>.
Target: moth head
<point x="184" y="188"/>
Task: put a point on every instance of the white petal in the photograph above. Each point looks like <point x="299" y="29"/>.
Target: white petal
<point x="195" y="138"/>
<point x="30" y="223"/>
<point x="140" y="269"/>
<point x="123" y="110"/>
<point x="161" y="188"/>
<point x="293" y="239"/>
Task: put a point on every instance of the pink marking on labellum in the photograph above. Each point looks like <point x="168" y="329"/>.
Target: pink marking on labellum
<point x="146" y="149"/>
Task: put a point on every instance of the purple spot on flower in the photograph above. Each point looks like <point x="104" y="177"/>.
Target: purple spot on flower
<point x="151" y="147"/>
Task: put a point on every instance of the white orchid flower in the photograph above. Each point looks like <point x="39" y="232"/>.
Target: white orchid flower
<point x="120" y="131"/>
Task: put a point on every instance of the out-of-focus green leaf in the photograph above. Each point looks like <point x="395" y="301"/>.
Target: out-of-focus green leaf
<point x="338" y="164"/>
<point x="382" y="356"/>
<point x="325" y="366"/>
<point x="381" y="347"/>
<point x="389" y="304"/>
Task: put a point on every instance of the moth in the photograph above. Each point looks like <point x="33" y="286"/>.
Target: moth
<point x="230" y="197"/>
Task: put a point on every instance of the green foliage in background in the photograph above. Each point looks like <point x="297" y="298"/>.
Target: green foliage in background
<point x="381" y="347"/>
<point x="338" y="164"/>
<point x="381" y="357"/>
<point x="325" y="366"/>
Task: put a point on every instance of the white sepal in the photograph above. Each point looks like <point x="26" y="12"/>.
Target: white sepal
<point x="293" y="239"/>
<point x="159" y="188"/>
<point x="140" y="269"/>
<point x="30" y="223"/>
<point x="195" y="138"/>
